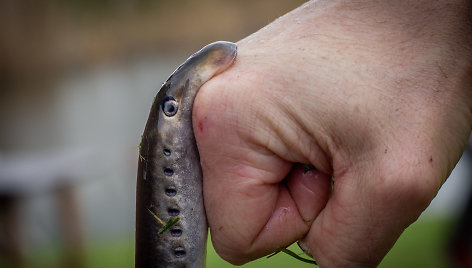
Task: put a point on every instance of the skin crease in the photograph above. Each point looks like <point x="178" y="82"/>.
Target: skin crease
<point x="376" y="94"/>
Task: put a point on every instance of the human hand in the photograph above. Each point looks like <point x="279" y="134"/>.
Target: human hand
<point x="375" y="94"/>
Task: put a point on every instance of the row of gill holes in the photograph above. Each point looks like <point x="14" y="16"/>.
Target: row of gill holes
<point x="179" y="252"/>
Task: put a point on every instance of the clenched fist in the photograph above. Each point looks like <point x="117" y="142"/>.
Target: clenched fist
<point x="377" y="95"/>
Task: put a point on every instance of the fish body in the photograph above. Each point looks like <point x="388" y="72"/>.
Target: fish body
<point x="169" y="181"/>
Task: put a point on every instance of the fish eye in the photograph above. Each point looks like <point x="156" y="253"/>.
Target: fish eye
<point x="170" y="106"/>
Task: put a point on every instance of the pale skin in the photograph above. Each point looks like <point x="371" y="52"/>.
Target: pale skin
<point x="375" y="94"/>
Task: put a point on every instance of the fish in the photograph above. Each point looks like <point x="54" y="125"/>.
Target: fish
<point x="171" y="225"/>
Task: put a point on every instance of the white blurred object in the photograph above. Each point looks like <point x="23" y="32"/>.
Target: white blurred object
<point x="26" y="174"/>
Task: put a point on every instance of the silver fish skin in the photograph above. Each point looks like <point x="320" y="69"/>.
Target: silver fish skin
<point x="169" y="181"/>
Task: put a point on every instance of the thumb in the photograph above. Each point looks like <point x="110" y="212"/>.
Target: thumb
<point x="370" y="207"/>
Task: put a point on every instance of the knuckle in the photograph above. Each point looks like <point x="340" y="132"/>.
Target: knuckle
<point x="411" y="187"/>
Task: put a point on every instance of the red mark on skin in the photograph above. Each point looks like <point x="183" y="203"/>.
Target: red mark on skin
<point x="201" y="124"/>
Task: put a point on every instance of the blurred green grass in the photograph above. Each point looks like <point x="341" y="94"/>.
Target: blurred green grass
<point x="421" y="245"/>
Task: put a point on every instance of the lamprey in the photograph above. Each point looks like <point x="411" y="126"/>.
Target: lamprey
<point x="171" y="227"/>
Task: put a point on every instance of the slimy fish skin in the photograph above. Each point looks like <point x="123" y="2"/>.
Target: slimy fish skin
<point x="169" y="182"/>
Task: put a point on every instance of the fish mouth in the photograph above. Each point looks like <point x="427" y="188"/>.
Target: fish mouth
<point x="223" y="55"/>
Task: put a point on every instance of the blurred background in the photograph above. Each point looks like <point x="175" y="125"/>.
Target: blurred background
<point x="77" y="78"/>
